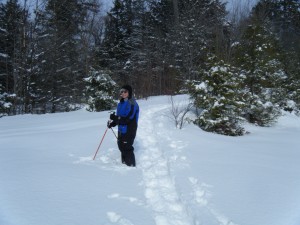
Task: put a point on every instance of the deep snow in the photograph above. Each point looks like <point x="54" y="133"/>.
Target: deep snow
<point x="183" y="177"/>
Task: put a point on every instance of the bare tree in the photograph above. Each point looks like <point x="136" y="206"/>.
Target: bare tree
<point x="178" y="112"/>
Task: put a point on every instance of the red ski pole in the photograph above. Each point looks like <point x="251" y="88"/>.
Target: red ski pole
<point x="100" y="144"/>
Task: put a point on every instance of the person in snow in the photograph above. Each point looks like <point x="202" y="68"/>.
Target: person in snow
<point x="127" y="120"/>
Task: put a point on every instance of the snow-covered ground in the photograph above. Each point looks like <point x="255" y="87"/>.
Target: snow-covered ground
<point x="183" y="177"/>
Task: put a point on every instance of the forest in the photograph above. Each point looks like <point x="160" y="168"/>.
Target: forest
<point x="62" y="55"/>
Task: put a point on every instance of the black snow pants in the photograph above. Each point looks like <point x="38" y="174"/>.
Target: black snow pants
<point x="127" y="154"/>
<point x="125" y="144"/>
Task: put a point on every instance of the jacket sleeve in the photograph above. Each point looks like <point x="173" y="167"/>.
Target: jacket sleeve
<point x="126" y="120"/>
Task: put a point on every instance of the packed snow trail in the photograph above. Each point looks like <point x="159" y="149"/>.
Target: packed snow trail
<point x="160" y="190"/>
<point x="160" y="155"/>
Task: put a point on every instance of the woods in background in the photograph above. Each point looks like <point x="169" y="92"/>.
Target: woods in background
<point x="59" y="54"/>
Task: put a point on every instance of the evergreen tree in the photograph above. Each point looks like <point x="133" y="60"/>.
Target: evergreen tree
<point x="258" y="56"/>
<point x="138" y="59"/>
<point x="3" y="58"/>
<point x="195" y="35"/>
<point x="157" y="45"/>
<point x="5" y="102"/>
<point x="115" y="52"/>
<point x="161" y="75"/>
<point x="220" y="98"/>
<point x="12" y="46"/>
<point x="284" y="17"/>
<point x="100" y="90"/>
<point x="61" y="82"/>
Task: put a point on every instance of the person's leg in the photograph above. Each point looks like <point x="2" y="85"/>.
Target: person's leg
<point x="127" y="153"/>
<point x="122" y="149"/>
<point x="129" y="157"/>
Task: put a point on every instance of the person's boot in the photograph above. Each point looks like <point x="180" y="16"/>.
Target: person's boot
<point x="123" y="159"/>
<point x="130" y="159"/>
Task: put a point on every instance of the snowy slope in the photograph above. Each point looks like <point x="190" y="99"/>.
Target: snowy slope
<point x="183" y="177"/>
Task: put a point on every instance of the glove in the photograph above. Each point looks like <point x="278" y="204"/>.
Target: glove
<point x="113" y="117"/>
<point x="111" y="124"/>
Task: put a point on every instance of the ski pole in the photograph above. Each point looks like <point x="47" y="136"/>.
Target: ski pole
<point x="114" y="133"/>
<point x="100" y="143"/>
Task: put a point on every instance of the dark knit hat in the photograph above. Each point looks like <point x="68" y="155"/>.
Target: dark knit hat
<point x="129" y="89"/>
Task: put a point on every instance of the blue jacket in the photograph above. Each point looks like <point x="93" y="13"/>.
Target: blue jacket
<point x="128" y="113"/>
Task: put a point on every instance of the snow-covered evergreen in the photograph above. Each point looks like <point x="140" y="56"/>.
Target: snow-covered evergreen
<point x="258" y="58"/>
<point x="220" y="99"/>
<point x="5" y="102"/>
<point x="100" y="91"/>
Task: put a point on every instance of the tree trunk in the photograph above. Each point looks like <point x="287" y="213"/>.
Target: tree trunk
<point x="176" y="12"/>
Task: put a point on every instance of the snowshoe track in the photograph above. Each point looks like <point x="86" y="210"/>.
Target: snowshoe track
<point x="160" y="190"/>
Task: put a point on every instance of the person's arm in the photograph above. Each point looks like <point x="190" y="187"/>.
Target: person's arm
<point x="126" y="120"/>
